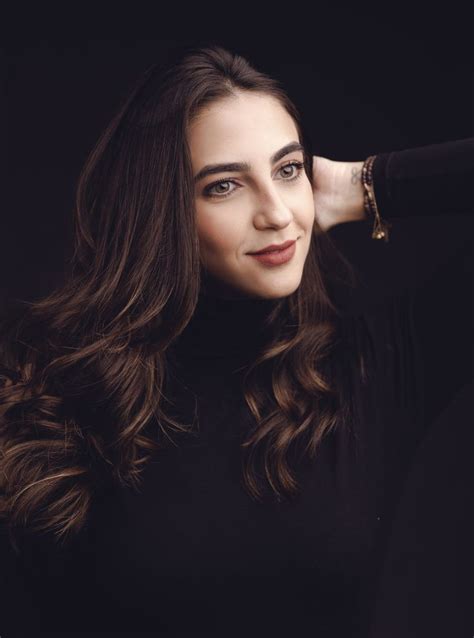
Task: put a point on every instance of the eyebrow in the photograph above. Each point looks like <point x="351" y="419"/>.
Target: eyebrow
<point x="210" y="169"/>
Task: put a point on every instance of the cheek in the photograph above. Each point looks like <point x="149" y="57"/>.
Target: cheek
<point x="219" y="233"/>
<point x="307" y="216"/>
<point x="310" y="218"/>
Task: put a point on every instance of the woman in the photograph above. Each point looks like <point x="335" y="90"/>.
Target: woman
<point x="196" y="438"/>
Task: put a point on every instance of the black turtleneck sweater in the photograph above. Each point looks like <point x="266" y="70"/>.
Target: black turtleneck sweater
<point x="192" y="553"/>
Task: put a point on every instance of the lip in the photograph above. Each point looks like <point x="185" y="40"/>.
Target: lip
<point x="274" y="247"/>
<point x="276" y="257"/>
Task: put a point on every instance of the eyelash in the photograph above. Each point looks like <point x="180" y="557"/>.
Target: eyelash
<point x="298" y="165"/>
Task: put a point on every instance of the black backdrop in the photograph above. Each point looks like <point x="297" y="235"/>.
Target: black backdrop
<point x="366" y="81"/>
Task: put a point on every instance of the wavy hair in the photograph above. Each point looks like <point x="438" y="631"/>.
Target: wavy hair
<point x="83" y="369"/>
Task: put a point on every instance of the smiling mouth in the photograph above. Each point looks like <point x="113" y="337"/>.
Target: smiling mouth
<point x="276" y="257"/>
<point x="275" y="249"/>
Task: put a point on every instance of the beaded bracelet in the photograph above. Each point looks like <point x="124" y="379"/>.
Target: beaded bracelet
<point x="381" y="227"/>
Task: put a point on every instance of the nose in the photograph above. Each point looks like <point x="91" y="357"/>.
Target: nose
<point x="270" y="209"/>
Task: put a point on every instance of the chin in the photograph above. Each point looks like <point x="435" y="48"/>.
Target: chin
<point x="278" y="291"/>
<point x="275" y="287"/>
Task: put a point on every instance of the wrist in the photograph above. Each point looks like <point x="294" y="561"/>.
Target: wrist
<point x="354" y="194"/>
<point x="338" y="191"/>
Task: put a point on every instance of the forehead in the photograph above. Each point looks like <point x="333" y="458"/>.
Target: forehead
<point x="246" y="121"/>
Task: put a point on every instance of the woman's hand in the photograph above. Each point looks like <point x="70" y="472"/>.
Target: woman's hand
<point x="338" y="192"/>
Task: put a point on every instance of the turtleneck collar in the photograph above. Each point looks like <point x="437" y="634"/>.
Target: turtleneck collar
<point x="224" y="324"/>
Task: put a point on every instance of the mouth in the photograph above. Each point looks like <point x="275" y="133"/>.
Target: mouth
<point x="276" y="257"/>
<point x="274" y="248"/>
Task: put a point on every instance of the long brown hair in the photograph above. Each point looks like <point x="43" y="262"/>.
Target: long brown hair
<point x="84" y="368"/>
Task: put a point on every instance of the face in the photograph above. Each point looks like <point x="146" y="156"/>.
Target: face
<point x="267" y="201"/>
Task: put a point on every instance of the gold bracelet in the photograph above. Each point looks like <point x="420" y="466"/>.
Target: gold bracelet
<point x="381" y="227"/>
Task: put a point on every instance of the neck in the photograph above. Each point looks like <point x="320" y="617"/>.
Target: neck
<point x="211" y="286"/>
<point x="225" y="324"/>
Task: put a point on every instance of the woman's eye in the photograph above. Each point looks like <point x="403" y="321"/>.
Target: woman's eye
<point x="208" y="191"/>
<point x="291" y="171"/>
<point x="218" y="186"/>
<point x="291" y="166"/>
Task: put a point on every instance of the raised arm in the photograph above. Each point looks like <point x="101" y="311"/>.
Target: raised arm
<point x="428" y="180"/>
<point x="410" y="186"/>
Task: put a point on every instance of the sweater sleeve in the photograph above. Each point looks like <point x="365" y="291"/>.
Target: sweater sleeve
<point x="425" y="269"/>
<point x="428" y="180"/>
<point x="427" y="193"/>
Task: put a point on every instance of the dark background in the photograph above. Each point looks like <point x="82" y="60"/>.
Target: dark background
<point x="366" y="81"/>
